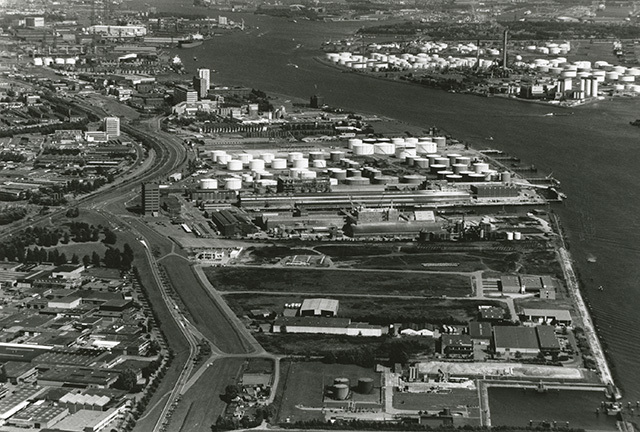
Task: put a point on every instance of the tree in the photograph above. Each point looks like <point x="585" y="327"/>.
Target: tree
<point x="95" y="259"/>
<point x="75" y="259"/>
<point x="109" y="237"/>
<point x="127" y="380"/>
<point x="86" y="260"/>
<point x="398" y="356"/>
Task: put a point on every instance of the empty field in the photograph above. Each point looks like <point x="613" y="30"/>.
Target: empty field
<point x="315" y="281"/>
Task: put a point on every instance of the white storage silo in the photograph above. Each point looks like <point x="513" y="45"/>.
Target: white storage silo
<point x="352" y="142"/>
<point x="223" y="159"/>
<point x="442" y="161"/>
<point x="336" y="155"/>
<point x="208" y="184"/>
<point x="384" y="148"/>
<point x="257" y="165"/>
<point x="245" y="158"/>
<point x="319" y="163"/>
<point x="301" y="163"/>
<point x="440" y="140"/>
<point x="397" y="141"/>
<point x="232" y="183"/>
<point x="480" y="167"/>
<point x="267" y="157"/>
<point x="402" y="153"/>
<point x="425" y="147"/>
<point x="234" y="165"/>
<point x="279" y="164"/>
<point x="294" y="155"/>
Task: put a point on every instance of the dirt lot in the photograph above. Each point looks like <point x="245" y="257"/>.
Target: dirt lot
<point x="337" y="281"/>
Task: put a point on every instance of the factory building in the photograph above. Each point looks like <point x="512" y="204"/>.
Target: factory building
<point x="116" y="31"/>
<point x="319" y="307"/>
<point x="509" y="340"/>
<point x="544" y="286"/>
<point x="547" y="339"/>
<point x="480" y="332"/>
<point x="185" y="94"/>
<point x="297" y="185"/>
<point x="150" y="199"/>
<point x="392" y="229"/>
<point x="547" y="316"/>
<point x="231" y="223"/>
<point x="325" y="325"/>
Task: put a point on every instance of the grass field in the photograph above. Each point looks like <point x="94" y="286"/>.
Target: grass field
<point x="259" y="365"/>
<point x="337" y="281"/>
<point x="303" y="384"/>
<point x="373" y="310"/>
<point x="207" y="315"/>
<point x="201" y="404"/>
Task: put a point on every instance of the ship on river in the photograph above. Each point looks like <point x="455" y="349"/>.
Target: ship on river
<point x="192" y="41"/>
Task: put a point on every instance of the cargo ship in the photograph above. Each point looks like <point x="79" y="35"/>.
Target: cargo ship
<point x="194" y="40"/>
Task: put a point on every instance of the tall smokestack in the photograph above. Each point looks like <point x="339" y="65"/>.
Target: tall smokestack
<point x="504" y="49"/>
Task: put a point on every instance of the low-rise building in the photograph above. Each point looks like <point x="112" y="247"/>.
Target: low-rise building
<point x="548" y="316"/>
<point x="319" y="307"/>
<point x="324" y="325"/>
<point x="480" y="332"/>
<point x="508" y="340"/>
<point x="456" y="346"/>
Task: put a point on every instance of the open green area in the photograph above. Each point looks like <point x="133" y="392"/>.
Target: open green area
<point x="337" y="281"/>
<point x="382" y="311"/>
<point x="303" y="384"/>
<point x="259" y="365"/>
<point x="270" y="253"/>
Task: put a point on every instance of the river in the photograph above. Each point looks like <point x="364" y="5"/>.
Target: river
<point x="595" y="153"/>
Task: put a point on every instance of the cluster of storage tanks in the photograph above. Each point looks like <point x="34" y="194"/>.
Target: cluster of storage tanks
<point x="341" y="387"/>
<point x="422" y="154"/>
<point x="380" y="62"/>
<point x="48" y="61"/>
<point x="620" y="77"/>
<point x="550" y="48"/>
<point x="514" y="235"/>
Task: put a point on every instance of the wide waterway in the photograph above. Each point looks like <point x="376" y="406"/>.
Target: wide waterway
<point x="594" y="152"/>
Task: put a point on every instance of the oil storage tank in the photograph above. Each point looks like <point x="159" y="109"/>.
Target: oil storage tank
<point x="365" y="385"/>
<point x="340" y="391"/>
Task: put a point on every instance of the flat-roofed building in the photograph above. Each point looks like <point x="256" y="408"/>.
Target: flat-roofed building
<point x="548" y="316"/>
<point x="38" y="416"/>
<point x="480" y="332"/>
<point x="547" y="339"/>
<point x="325" y="325"/>
<point x="510" y="340"/>
<point x="510" y="284"/>
<point x="456" y="346"/>
<point x="150" y="199"/>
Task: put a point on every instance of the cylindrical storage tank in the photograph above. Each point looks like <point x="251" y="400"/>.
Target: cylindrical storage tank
<point x="319" y="163"/>
<point x="316" y="155"/>
<point x="453" y="158"/>
<point x="432" y="158"/>
<point x="397" y="141"/>
<point x="267" y="157"/>
<point x="295" y="172"/>
<point x="509" y="235"/>
<point x="216" y="153"/>
<point x="353" y="141"/>
<point x="257" y="165"/>
<point x="279" y="164"/>
<point x="247" y="178"/>
<point x="517" y="235"/>
<point x="369" y="141"/>
<point x="454" y="178"/>
<point x="294" y="155"/>
<point x="351" y="172"/>
<point x="619" y="69"/>
<point x="384" y="180"/>
<point x="458" y="168"/>
<point x="443" y="174"/>
<point x="365" y="385"/>
<point x="339" y="174"/>
<point x="357" y="181"/>
<point x="384" y="148"/>
<point x="506" y="177"/>
<point x="413" y="179"/>
<point x="336" y="155"/>
<point x="340" y="391"/>
<point x="363" y="149"/>
<point x="402" y="153"/>
<point x="208" y="184"/>
<point x="223" y="159"/>
<point x="245" y="158"/>
<point x="480" y="167"/>
<point x="440" y="140"/>
<point x="410" y="160"/>
<point x="465" y="160"/>
<point x="442" y="161"/>
<point x="308" y="175"/>
<point x="234" y="165"/>
<point x="611" y="76"/>
<point x="421" y="162"/>
<point x="411" y="141"/>
<point x="627" y="78"/>
<point x="301" y="163"/>
<point x="232" y="183"/>
<point x="435" y="168"/>
<point x="477" y="177"/>
<point x="425" y="147"/>
<point x="268" y="182"/>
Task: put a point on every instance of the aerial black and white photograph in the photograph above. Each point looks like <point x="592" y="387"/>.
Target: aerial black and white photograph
<point x="309" y="215"/>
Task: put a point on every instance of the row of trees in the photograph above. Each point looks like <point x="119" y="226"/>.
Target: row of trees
<point x="10" y="214"/>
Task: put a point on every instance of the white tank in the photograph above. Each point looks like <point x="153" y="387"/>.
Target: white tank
<point x="627" y="78"/>
<point x="466" y="160"/>
<point x="506" y="177"/>
<point x="425" y="147"/>
<point x="476" y="177"/>
<point x="363" y="149"/>
<point x="384" y="148"/>
<point x="510" y="235"/>
<point x="315" y="155"/>
<point x="402" y="153"/>
<point x="442" y="161"/>
<point x="397" y="141"/>
<point x="301" y="163"/>
<point x="453" y="157"/>
<point x="294" y="155"/>
<point x="234" y="165"/>
<point x="267" y="157"/>
<point x="223" y="159"/>
<point x="307" y="175"/>
<point x="353" y="141"/>
<point x="555" y="70"/>
<point x="257" y="165"/>
<point x="38" y="61"/>
<point x="208" y="184"/>
<point x="611" y="76"/>
<point x="458" y="168"/>
<point x="247" y="178"/>
<point x="633" y="71"/>
<point x="245" y="158"/>
<point x="232" y="183"/>
<point x="295" y="172"/>
<point x="319" y="163"/>
<point x="421" y="162"/>
<point x="268" y="182"/>
<point x="480" y="167"/>
<point x="279" y="164"/>
<point x="411" y="141"/>
<point x="619" y="69"/>
<point x="440" y="140"/>
<point x="517" y="235"/>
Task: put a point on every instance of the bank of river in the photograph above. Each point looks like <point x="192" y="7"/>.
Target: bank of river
<point x="593" y="153"/>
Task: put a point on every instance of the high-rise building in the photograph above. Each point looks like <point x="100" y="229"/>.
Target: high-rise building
<point x="150" y="199"/>
<point x="205" y="74"/>
<point x="184" y="94"/>
<point x="200" y="84"/>
<point x="112" y="127"/>
<point x="317" y="101"/>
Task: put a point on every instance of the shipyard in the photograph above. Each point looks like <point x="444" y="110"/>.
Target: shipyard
<point x="182" y="250"/>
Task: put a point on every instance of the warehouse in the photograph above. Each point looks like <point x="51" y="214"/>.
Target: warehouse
<point x="324" y="325"/>
<point x="548" y="316"/>
<point x="547" y="339"/>
<point x="38" y="416"/>
<point x="480" y="332"/>
<point x="319" y="307"/>
<point x="391" y="229"/>
<point x="510" y="284"/>
<point x="511" y="340"/>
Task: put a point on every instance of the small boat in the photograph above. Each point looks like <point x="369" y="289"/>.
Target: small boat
<point x="195" y="58"/>
<point x="613" y="408"/>
<point x="293" y="65"/>
<point x="600" y="288"/>
<point x="591" y="259"/>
